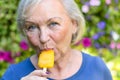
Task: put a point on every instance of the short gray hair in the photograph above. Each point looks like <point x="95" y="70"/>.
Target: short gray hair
<point x="70" y="6"/>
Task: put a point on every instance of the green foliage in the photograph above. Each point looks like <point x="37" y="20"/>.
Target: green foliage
<point x="106" y="13"/>
<point x="8" y="32"/>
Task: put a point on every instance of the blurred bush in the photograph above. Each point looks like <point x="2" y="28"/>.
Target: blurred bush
<point x="102" y="36"/>
<point x="8" y="34"/>
<point x="12" y="48"/>
<point x="103" y="32"/>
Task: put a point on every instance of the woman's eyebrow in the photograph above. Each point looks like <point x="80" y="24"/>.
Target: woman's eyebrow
<point x="30" y="22"/>
<point x="50" y="19"/>
<point x="54" y="18"/>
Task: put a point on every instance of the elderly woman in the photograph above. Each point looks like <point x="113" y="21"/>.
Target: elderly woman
<point x="55" y="24"/>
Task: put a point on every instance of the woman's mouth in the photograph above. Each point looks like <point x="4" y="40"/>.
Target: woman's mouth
<point x="46" y="49"/>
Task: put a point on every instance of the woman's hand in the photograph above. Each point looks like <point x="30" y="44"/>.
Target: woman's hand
<point x="36" y="75"/>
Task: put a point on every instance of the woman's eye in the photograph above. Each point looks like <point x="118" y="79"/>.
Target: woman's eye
<point x="31" y="27"/>
<point x="53" y="24"/>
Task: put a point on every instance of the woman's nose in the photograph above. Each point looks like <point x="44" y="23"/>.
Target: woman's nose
<point x="44" y="36"/>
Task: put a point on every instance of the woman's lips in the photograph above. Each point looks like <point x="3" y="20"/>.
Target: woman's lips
<point x="46" y="49"/>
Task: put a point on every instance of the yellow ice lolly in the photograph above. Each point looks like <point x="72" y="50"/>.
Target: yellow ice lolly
<point x="46" y="59"/>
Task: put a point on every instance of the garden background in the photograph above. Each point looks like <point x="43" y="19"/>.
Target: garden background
<point x="101" y="38"/>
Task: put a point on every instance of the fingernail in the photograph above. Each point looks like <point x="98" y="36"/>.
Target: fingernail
<point x="47" y="72"/>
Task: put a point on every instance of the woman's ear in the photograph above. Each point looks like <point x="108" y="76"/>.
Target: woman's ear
<point x="75" y="26"/>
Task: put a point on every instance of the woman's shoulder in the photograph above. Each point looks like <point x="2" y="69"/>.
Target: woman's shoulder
<point x="97" y="65"/>
<point x="94" y="61"/>
<point x="22" y="63"/>
<point x="18" y="70"/>
<point x="23" y="66"/>
<point x="91" y="57"/>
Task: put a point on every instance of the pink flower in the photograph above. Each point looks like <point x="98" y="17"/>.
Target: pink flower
<point x="85" y="8"/>
<point x="86" y="42"/>
<point x="24" y="45"/>
<point x="6" y="56"/>
<point x="108" y="2"/>
<point x="1" y="55"/>
<point x="112" y="45"/>
<point x="95" y="2"/>
<point x="118" y="46"/>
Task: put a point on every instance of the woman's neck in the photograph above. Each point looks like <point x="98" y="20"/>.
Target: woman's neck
<point x="63" y="61"/>
<point x="64" y="66"/>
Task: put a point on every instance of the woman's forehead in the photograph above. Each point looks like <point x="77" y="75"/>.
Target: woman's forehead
<point x="46" y="9"/>
<point x="48" y="5"/>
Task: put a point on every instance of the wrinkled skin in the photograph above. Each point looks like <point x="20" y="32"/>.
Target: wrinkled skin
<point x="51" y="28"/>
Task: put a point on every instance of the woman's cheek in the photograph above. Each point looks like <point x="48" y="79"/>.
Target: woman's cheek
<point x="58" y="37"/>
<point x="34" y="40"/>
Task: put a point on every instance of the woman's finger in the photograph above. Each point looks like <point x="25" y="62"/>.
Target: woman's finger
<point x="38" y="78"/>
<point x="34" y="78"/>
<point x="38" y="73"/>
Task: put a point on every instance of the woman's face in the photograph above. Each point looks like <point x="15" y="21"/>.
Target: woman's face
<point x="49" y="27"/>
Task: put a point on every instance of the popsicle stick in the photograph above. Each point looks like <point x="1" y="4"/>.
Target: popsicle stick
<point x="45" y="69"/>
